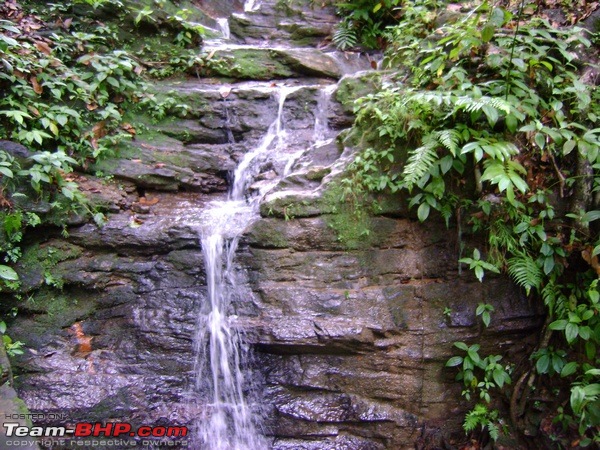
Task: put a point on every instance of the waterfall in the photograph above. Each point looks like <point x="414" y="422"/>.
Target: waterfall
<point x="224" y="27"/>
<point x="227" y="420"/>
<point x="321" y="128"/>
<point x="248" y="168"/>
<point x="251" y="5"/>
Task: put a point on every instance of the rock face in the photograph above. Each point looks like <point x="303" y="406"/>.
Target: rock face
<point x="350" y="323"/>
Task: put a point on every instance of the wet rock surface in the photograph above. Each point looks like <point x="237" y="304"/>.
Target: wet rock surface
<point x="349" y="335"/>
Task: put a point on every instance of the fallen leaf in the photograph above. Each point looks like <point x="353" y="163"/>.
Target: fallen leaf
<point x="83" y="344"/>
<point x="99" y="130"/>
<point x="148" y="201"/>
<point x="129" y="128"/>
<point x="43" y="47"/>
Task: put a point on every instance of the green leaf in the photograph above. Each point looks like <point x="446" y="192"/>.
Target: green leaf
<point x="542" y="364"/>
<point x="592" y="389"/>
<point x="511" y="123"/>
<point x="558" y="325"/>
<point x="461" y="346"/>
<point x="486" y="318"/>
<point x="487" y="33"/>
<point x="571" y="332"/>
<point x="6" y="172"/>
<point x="454" y="361"/>
<point x="569" y="369"/>
<point x="577" y="399"/>
<point x="590" y="350"/>
<point x="2" y="327"/>
<point x="7" y="273"/>
<point x="500" y="377"/>
<point x="569" y="146"/>
<point x="540" y="140"/>
<point x="423" y="211"/>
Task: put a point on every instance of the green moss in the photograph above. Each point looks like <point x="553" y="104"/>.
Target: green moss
<point x="351" y="219"/>
<point x="59" y="309"/>
<point x="270" y="234"/>
<point x="37" y="264"/>
<point x="352" y="88"/>
<point x="249" y="64"/>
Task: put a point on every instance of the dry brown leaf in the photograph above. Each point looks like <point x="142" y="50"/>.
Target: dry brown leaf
<point x="99" y="130"/>
<point x="34" y="110"/>
<point x="83" y="344"/>
<point x="586" y="254"/>
<point x="37" y="88"/>
<point x="148" y="201"/>
<point x="129" y="128"/>
<point x="43" y="47"/>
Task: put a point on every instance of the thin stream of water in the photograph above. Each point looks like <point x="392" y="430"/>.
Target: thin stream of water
<point x="227" y="421"/>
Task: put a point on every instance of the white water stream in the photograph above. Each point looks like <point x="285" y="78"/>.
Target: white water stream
<point x="228" y="421"/>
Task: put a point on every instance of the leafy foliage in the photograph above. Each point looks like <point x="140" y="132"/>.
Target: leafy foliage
<point x="486" y="119"/>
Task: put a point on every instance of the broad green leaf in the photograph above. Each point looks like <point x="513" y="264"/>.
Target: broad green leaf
<point x="592" y="389"/>
<point x="542" y="364"/>
<point x="461" y="345"/>
<point x="571" y="332"/>
<point x="540" y="140"/>
<point x="569" y="146"/>
<point x="558" y="324"/>
<point x="577" y="399"/>
<point x="454" y="361"/>
<point x="569" y="369"/>
<point x="7" y="273"/>
<point x="423" y="211"/>
<point x="488" y="33"/>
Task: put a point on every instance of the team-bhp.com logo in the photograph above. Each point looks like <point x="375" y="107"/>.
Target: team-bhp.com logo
<point x="85" y="430"/>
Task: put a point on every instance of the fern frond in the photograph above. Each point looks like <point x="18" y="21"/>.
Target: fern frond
<point x="526" y="273"/>
<point x="449" y="139"/>
<point x="420" y="160"/>
<point x="431" y="97"/>
<point x="345" y="36"/>
<point x="471" y="104"/>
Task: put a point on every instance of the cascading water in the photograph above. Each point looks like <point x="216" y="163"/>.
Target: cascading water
<point x="224" y="27"/>
<point x="228" y="421"/>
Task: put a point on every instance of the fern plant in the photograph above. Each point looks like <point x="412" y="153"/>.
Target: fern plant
<point x="491" y="125"/>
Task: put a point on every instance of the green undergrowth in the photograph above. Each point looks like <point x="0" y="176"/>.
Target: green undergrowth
<point x="486" y="122"/>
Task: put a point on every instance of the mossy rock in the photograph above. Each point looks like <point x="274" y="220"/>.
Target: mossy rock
<point x="38" y="261"/>
<point x="249" y="64"/>
<point x="353" y="88"/>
